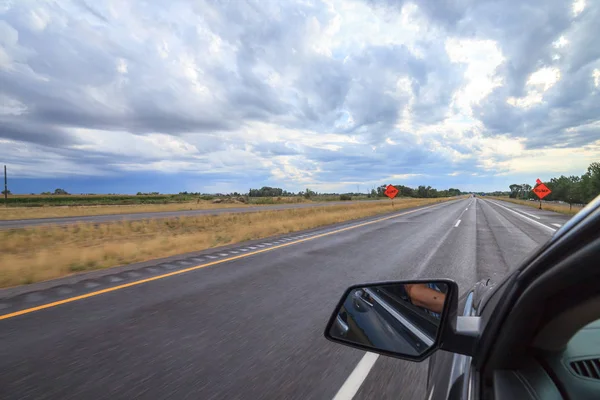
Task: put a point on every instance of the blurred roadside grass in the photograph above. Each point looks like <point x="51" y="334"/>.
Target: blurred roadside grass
<point x="40" y="253"/>
<point x="559" y="208"/>
<point x="12" y="213"/>
<point x="51" y="211"/>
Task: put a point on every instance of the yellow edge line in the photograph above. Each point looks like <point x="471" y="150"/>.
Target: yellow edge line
<point x="183" y="271"/>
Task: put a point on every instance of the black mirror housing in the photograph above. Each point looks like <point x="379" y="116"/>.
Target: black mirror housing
<point x="401" y="319"/>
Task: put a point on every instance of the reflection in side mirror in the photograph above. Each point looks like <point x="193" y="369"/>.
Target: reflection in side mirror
<point x="402" y="319"/>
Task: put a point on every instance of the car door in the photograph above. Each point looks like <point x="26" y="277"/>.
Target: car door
<point x="450" y="374"/>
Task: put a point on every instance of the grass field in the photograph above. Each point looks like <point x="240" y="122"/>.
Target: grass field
<point x="39" y="200"/>
<point x="12" y="213"/>
<point x="57" y="211"/>
<point x="32" y="201"/>
<point x="40" y="253"/>
<point x="55" y="207"/>
<point x="559" y="208"/>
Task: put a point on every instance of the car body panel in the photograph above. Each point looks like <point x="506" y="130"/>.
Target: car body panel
<point x="449" y="373"/>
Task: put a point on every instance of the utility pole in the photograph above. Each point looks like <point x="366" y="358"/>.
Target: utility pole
<point x="5" y="189"/>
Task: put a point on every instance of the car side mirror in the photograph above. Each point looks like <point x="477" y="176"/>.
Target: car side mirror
<point x="399" y="319"/>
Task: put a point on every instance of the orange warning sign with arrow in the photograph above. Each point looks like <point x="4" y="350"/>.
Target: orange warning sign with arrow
<point x="391" y="191"/>
<point x="541" y="191"/>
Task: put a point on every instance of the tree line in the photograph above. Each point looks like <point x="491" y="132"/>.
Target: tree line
<point x="403" y="191"/>
<point x="570" y="189"/>
<point x="419" y="192"/>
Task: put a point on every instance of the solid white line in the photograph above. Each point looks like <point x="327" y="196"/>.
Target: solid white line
<point x="526" y="213"/>
<point x="522" y="216"/>
<point x="557" y="225"/>
<point x="357" y="377"/>
<point x="457" y="224"/>
<point x="522" y="212"/>
<point x="431" y="394"/>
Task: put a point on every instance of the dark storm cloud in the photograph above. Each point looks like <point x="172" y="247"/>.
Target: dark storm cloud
<point x="64" y="64"/>
<point x="526" y="33"/>
<point x="16" y="129"/>
<point x="360" y="163"/>
<point x="216" y="67"/>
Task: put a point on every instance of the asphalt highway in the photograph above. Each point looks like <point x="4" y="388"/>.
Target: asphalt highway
<point x="97" y="219"/>
<point x="249" y="325"/>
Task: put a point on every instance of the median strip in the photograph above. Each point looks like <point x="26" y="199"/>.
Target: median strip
<point x="216" y="262"/>
<point x="41" y="253"/>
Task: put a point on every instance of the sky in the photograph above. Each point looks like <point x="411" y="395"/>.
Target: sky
<point x="113" y="96"/>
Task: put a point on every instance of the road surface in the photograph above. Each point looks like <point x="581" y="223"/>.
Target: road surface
<point x="247" y="322"/>
<point x="22" y="223"/>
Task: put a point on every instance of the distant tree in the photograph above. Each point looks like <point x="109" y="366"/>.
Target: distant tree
<point x="590" y="182"/>
<point x="515" y="190"/>
<point x="266" y="191"/>
<point x="6" y="192"/>
<point x="60" y="192"/>
<point x="526" y="190"/>
<point x="309" y="193"/>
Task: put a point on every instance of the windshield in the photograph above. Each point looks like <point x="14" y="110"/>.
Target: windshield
<point x="188" y="186"/>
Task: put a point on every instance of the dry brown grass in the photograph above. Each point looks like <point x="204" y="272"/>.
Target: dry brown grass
<point x="559" y="208"/>
<point x="40" y="253"/>
<point x="13" y="213"/>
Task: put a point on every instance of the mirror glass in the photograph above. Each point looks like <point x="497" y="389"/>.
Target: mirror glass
<point x="402" y="318"/>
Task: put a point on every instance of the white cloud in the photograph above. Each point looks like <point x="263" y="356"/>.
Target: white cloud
<point x="551" y="161"/>
<point x="482" y="57"/>
<point x="538" y="83"/>
<point x="578" y="6"/>
<point x="122" y="66"/>
<point x="38" y="19"/>
<point x="560" y="42"/>
<point x="325" y="94"/>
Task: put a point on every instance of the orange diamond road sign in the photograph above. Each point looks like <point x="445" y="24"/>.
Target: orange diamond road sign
<point x="541" y="191"/>
<point x="391" y="191"/>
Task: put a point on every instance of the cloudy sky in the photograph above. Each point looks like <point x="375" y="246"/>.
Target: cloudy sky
<point x="223" y="95"/>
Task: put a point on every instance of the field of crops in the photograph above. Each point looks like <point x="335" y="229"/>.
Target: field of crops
<point x="95" y="200"/>
<point x="102" y="200"/>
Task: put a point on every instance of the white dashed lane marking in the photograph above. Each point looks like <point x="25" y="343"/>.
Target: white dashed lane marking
<point x="357" y="377"/>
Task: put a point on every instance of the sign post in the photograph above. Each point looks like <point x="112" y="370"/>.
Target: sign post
<point x="391" y="192"/>
<point x="541" y="191"/>
<point x="5" y="189"/>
